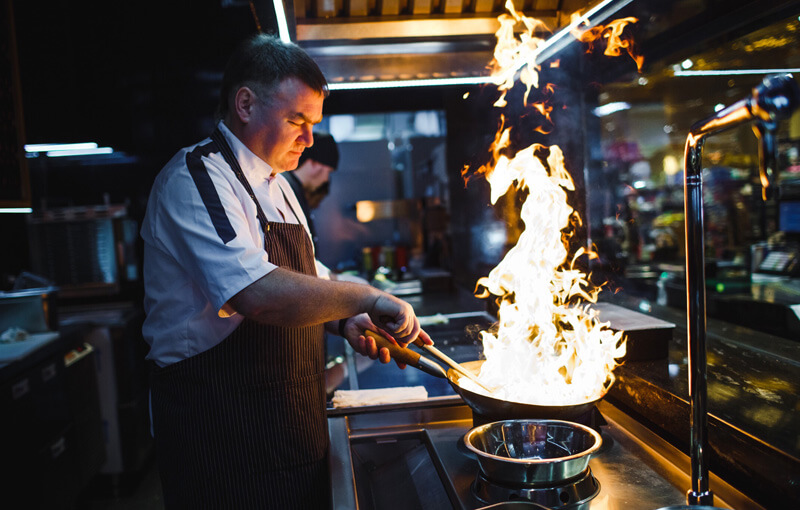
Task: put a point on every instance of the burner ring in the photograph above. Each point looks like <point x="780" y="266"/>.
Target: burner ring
<point x="573" y="495"/>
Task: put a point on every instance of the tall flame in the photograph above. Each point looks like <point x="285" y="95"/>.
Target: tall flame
<point x="549" y="347"/>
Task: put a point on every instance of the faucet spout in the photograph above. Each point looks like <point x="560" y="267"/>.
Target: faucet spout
<point x="773" y="99"/>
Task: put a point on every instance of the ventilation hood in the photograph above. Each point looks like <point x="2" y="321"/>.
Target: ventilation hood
<point x="390" y="43"/>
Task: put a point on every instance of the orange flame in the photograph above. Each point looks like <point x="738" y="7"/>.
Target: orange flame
<point x="614" y="36"/>
<point x="501" y="141"/>
<point x="549" y="348"/>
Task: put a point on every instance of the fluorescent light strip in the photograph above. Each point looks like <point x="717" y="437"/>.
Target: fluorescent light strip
<point x="283" y="27"/>
<point x="434" y="82"/>
<point x="80" y="152"/>
<point x="608" y="109"/>
<point x="731" y="72"/>
<point x="16" y="210"/>
<point x="48" y="147"/>
<point x="550" y="47"/>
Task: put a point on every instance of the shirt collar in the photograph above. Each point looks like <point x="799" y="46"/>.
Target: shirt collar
<point x="255" y="169"/>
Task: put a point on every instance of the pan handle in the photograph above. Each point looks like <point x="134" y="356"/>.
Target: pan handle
<point x="407" y="356"/>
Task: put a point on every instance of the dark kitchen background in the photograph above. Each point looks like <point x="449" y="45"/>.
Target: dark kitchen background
<point x="142" y="78"/>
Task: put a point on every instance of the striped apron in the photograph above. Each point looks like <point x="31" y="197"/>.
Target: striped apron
<point x="243" y="425"/>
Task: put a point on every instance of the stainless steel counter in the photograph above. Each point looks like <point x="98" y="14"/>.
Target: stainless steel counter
<point x="408" y="456"/>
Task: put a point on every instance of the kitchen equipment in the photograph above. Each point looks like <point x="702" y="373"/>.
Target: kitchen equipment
<point x="87" y="251"/>
<point x="515" y="505"/>
<point x="444" y="358"/>
<point x="647" y="338"/>
<point x="532" y="452"/>
<point x="774" y="99"/>
<point x="402" y="456"/>
<point x="33" y="310"/>
<point x="690" y="507"/>
<point x="486" y="408"/>
<point x="568" y="495"/>
<point x="490" y="408"/>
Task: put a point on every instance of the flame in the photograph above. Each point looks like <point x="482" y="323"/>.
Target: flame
<point x="613" y="35"/>
<point x="512" y="54"/>
<point x="501" y="141"/>
<point x="550" y="347"/>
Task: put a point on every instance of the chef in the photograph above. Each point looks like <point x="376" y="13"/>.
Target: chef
<point x="235" y="312"/>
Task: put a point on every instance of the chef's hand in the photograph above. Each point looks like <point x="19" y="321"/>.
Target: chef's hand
<point x="354" y="329"/>
<point x="397" y="317"/>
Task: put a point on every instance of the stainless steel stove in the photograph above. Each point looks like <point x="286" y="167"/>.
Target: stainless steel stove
<point x="411" y="456"/>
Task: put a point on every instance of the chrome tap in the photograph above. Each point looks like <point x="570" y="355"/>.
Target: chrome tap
<point x="773" y="99"/>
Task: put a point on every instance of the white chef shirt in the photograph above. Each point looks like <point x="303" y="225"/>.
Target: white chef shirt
<point x="190" y="272"/>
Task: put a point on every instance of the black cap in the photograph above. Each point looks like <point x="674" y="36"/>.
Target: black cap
<point x="323" y="151"/>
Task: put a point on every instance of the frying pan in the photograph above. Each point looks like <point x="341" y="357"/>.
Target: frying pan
<point x="484" y="405"/>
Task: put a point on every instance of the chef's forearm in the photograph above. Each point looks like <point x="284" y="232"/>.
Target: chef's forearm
<point x="287" y="298"/>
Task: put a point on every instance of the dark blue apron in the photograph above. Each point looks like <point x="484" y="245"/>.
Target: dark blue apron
<point x="242" y="425"/>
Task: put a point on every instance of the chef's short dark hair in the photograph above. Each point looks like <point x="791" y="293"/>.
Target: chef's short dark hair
<point x="261" y="62"/>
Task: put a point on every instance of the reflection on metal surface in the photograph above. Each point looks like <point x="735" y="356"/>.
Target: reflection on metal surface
<point x="633" y="469"/>
<point x="532" y="451"/>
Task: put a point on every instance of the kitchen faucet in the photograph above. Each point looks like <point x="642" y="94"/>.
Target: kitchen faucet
<point x="772" y="100"/>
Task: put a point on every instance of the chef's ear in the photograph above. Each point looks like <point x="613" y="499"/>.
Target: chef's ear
<point x="243" y="103"/>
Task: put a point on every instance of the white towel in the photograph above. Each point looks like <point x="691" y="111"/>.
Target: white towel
<point x="355" y="398"/>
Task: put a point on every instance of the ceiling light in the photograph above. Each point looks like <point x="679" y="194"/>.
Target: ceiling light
<point x="80" y="152"/>
<point x="433" y="82"/>
<point x="687" y="64"/>
<point x="15" y="210"/>
<point x="731" y="72"/>
<point x="608" y="109"/>
<point x="46" y="147"/>
<point x="283" y="26"/>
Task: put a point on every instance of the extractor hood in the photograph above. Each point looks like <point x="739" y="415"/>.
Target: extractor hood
<point x="390" y="43"/>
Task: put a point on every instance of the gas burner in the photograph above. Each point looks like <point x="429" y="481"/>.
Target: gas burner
<point x="572" y="494"/>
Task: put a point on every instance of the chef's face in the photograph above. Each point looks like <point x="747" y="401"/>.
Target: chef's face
<point x="282" y="124"/>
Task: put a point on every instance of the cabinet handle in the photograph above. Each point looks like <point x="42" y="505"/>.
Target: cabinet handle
<point x="48" y="372"/>
<point x="58" y="447"/>
<point x="20" y="388"/>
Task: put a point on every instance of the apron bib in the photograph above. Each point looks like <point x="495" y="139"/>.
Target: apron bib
<point x="243" y="424"/>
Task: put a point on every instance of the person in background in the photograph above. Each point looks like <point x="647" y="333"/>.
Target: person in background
<point x="311" y="180"/>
<point x="235" y="312"/>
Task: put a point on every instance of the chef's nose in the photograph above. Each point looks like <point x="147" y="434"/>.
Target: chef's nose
<point x="307" y="137"/>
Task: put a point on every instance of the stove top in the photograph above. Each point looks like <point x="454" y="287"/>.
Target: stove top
<point x="411" y="456"/>
<point x="466" y="484"/>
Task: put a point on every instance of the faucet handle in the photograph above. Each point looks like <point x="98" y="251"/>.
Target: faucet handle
<point x="776" y="97"/>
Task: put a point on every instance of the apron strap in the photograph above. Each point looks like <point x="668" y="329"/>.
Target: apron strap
<point x="227" y="154"/>
<point x="230" y="158"/>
